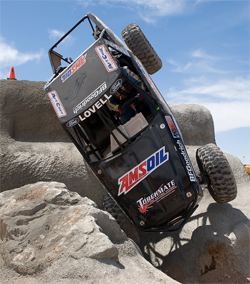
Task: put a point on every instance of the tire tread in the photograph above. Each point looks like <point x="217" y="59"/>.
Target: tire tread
<point x="140" y="46"/>
<point x="213" y="162"/>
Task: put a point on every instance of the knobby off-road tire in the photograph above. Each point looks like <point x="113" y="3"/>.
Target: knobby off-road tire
<point x="139" y="45"/>
<point x="111" y="207"/>
<point x="214" y="165"/>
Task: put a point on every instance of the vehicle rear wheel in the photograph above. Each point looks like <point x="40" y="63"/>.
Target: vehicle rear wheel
<point x="214" y="165"/>
<point x="111" y="207"/>
<point x="139" y="45"/>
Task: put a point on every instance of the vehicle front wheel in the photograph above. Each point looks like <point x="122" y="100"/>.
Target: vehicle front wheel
<point x="214" y="165"/>
<point x="142" y="49"/>
<point x="111" y="207"/>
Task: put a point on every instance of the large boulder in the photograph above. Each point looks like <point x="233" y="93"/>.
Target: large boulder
<point x="212" y="247"/>
<point x="195" y="122"/>
<point x="50" y="233"/>
<point x="34" y="146"/>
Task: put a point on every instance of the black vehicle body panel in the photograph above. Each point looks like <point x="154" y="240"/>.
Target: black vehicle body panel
<point x="168" y="184"/>
<point x="71" y="85"/>
<point x="151" y="178"/>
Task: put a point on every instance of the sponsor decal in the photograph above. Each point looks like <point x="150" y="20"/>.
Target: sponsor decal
<point x="189" y="166"/>
<point x="74" y="68"/>
<point x="94" y="94"/>
<point x="73" y="122"/>
<point x="58" y="106"/>
<point x="115" y="46"/>
<point x="106" y="58"/>
<point x="116" y="86"/>
<point x="87" y="113"/>
<point x="140" y="172"/>
<point x="163" y="191"/>
<point x="172" y="127"/>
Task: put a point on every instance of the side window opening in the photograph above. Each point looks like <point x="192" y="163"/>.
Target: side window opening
<point x="104" y="134"/>
<point x="121" y="120"/>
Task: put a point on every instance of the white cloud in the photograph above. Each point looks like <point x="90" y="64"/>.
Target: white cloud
<point x="85" y="3"/>
<point x="4" y="73"/>
<point x="10" y="56"/>
<point x="55" y="34"/>
<point x="147" y="9"/>
<point x="196" y="67"/>
<point x="230" y="115"/>
<point x="151" y="9"/>
<point x="236" y="89"/>
<point x="200" y="53"/>
<point x="201" y="62"/>
<point x="227" y="100"/>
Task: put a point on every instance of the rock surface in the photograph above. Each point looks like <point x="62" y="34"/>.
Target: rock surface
<point x="48" y="232"/>
<point x="213" y="247"/>
<point x="34" y="145"/>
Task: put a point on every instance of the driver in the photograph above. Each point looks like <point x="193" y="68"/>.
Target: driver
<point x="121" y="96"/>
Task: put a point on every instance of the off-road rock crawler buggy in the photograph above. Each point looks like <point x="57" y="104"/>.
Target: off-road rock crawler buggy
<point x="143" y="162"/>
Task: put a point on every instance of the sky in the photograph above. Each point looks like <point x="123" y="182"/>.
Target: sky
<point x="203" y="45"/>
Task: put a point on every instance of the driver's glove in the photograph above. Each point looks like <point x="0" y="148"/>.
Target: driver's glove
<point x="139" y="96"/>
<point x="120" y="109"/>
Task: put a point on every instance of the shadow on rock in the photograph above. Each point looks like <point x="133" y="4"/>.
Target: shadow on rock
<point x="215" y="239"/>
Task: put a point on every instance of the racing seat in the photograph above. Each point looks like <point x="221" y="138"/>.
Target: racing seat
<point x="131" y="128"/>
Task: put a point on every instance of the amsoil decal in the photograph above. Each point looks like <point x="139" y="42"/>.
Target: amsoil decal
<point x="172" y="127"/>
<point x="94" y="94"/>
<point x="163" y="191"/>
<point x="116" y="86"/>
<point x="87" y="113"/>
<point x="74" y="67"/>
<point x="189" y="166"/>
<point x="140" y="172"/>
<point x="58" y="107"/>
<point x="106" y="58"/>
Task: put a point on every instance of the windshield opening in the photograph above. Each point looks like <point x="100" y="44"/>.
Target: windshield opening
<point x="62" y="54"/>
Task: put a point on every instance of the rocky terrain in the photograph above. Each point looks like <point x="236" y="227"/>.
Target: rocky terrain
<point x="52" y="225"/>
<point x="50" y="234"/>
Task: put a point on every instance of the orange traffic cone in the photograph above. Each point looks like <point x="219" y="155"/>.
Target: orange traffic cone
<point x="12" y="74"/>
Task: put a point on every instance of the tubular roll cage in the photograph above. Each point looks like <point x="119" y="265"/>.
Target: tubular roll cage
<point x="51" y="50"/>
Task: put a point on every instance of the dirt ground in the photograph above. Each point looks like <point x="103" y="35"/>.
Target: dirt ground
<point x="223" y="275"/>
